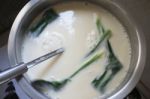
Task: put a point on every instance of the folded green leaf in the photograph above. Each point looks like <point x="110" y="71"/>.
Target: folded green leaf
<point x="103" y="37"/>
<point x="57" y="85"/>
<point x="113" y="66"/>
<point x="95" y="56"/>
<point x="48" y="16"/>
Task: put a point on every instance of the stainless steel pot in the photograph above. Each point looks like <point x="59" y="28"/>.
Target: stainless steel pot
<point x="33" y="8"/>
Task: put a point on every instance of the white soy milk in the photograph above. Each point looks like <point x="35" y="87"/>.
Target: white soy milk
<point x="76" y="31"/>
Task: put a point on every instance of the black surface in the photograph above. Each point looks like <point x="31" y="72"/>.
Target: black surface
<point x="8" y="11"/>
<point x="10" y="92"/>
<point x="135" y="94"/>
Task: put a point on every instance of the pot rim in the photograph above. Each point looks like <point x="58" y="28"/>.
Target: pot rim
<point x="121" y="93"/>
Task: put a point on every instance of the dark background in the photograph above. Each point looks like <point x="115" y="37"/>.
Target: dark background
<point x="8" y="11"/>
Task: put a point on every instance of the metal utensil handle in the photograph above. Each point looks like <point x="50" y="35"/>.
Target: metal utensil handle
<point x="11" y="73"/>
<point x="23" y="67"/>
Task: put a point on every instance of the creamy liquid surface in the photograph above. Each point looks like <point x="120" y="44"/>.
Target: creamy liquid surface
<point x="76" y="31"/>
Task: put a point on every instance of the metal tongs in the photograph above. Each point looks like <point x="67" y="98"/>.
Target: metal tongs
<point x="22" y="67"/>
